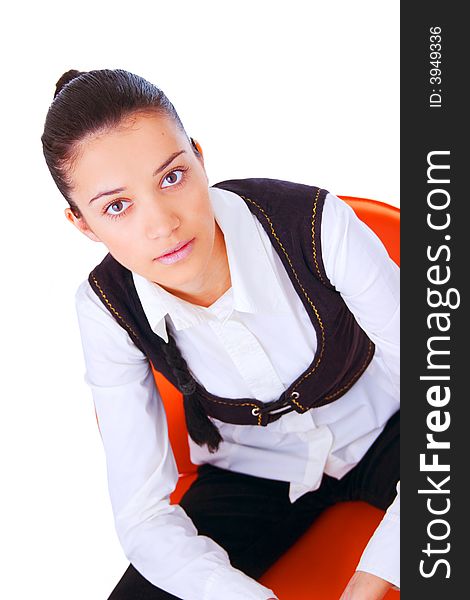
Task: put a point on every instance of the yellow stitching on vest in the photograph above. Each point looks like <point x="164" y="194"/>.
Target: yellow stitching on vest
<point x="298" y="404"/>
<point x="314" y="215"/>
<point x="305" y="294"/>
<point x="234" y="404"/>
<point x="112" y="307"/>
<point x="349" y="384"/>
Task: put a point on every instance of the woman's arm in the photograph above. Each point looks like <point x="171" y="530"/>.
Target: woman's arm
<point x="381" y="555"/>
<point x="358" y="265"/>
<point x="158" y="538"/>
<point x="377" y="572"/>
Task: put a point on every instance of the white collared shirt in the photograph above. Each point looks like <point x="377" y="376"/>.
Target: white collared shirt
<point x="252" y="342"/>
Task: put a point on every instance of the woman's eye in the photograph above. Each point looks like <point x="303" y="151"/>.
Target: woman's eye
<point x="172" y="178"/>
<point x="117" y="208"/>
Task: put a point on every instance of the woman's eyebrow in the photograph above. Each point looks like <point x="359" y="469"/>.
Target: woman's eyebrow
<point x="170" y="159"/>
<point x="163" y="166"/>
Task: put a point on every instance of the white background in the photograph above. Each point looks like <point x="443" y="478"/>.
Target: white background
<point x="304" y="91"/>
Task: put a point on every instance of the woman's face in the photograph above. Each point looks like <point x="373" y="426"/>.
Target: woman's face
<point x="141" y="190"/>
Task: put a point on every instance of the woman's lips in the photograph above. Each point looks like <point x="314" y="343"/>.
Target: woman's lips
<point x="182" y="252"/>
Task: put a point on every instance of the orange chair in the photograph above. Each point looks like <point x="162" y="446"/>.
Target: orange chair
<point x="306" y="571"/>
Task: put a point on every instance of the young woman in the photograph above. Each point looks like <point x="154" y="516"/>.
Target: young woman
<point x="274" y="310"/>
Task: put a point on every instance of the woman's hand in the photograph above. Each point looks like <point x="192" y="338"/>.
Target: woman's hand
<point x="365" y="586"/>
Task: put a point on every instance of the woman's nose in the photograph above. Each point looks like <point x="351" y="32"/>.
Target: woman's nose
<point x="159" y="221"/>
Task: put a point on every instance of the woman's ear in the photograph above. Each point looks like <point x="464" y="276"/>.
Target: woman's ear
<point x="199" y="155"/>
<point x="197" y="146"/>
<point x="80" y="224"/>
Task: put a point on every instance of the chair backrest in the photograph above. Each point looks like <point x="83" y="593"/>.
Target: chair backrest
<point x="383" y="219"/>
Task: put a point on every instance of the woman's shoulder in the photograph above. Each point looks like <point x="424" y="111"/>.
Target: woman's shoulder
<point x="99" y="330"/>
<point x="90" y="308"/>
<point x="84" y="294"/>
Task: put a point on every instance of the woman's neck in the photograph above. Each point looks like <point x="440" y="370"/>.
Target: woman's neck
<point x="217" y="278"/>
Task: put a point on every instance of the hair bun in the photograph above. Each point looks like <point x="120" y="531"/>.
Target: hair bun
<point x="65" y="78"/>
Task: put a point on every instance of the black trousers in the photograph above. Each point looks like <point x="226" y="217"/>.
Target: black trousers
<point x="254" y="520"/>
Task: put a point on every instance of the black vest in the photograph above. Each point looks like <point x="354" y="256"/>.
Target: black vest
<point x="291" y="215"/>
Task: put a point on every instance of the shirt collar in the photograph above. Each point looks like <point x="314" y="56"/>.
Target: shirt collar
<point x="247" y="258"/>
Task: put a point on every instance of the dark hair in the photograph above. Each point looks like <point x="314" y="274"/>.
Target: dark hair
<point x="92" y="102"/>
